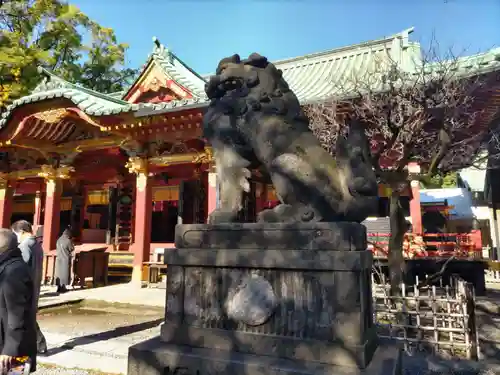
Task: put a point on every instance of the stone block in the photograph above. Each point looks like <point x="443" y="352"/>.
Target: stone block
<point x="154" y="357"/>
<point x="339" y="236"/>
<point x="302" y="290"/>
<point x="266" y="299"/>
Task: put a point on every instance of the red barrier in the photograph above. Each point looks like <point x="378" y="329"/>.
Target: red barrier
<point x="460" y="245"/>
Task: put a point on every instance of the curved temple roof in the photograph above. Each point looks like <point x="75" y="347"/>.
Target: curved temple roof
<point x="312" y="77"/>
<point x="174" y="67"/>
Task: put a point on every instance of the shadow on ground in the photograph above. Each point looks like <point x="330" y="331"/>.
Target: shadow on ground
<point x="104" y="336"/>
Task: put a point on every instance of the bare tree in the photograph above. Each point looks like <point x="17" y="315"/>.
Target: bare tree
<point x="429" y="113"/>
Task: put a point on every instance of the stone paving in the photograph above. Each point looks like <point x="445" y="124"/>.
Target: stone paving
<point x="121" y="293"/>
<point x="96" y="334"/>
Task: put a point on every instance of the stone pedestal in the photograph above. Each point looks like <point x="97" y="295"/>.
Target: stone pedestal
<point x="267" y="299"/>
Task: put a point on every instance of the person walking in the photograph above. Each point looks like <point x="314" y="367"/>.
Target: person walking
<point x="64" y="257"/>
<point x="17" y="321"/>
<point x="32" y="253"/>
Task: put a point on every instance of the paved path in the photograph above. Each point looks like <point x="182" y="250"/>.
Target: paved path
<point x="97" y="334"/>
<point x="107" y="356"/>
<point x="488" y="322"/>
<point x="99" y="338"/>
<point x="121" y="293"/>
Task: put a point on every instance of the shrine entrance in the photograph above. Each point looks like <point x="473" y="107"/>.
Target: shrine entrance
<point x="165" y="213"/>
<point x="176" y="204"/>
<point x="165" y="216"/>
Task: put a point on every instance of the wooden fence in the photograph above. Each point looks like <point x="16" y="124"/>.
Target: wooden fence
<point x="439" y="320"/>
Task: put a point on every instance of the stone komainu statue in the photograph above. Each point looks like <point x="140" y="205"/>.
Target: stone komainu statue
<point x="254" y="120"/>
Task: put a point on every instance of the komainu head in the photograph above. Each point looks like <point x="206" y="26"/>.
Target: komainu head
<point x="251" y="84"/>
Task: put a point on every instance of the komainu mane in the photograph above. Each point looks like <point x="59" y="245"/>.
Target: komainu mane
<point x="255" y="121"/>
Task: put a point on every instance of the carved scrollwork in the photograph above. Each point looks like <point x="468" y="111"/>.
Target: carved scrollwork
<point x="205" y="157"/>
<point x="4" y="181"/>
<point x="137" y="165"/>
<point x="51" y="116"/>
<point x="50" y="173"/>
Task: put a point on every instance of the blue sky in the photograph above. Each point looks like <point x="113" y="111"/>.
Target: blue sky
<point x="201" y="32"/>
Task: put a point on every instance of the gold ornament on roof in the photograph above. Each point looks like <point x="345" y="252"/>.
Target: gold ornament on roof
<point x="51" y="116"/>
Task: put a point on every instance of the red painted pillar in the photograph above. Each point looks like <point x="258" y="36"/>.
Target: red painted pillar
<point x="37" y="215"/>
<point x="142" y="227"/>
<point x="6" y="203"/>
<point x="51" y="221"/>
<point x="415" y="207"/>
<point x="212" y="194"/>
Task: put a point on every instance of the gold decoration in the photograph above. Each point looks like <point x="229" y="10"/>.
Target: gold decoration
<point x="4" y="180"/>
<point x="137" y="165"/>
<point x="50" y="173"/>
<point x="166" y="193"/>
<point x="4" y="185"/>
<point x="205" y="157"/>
<point x="98" y="197"/>
<point x="51" y="116"/>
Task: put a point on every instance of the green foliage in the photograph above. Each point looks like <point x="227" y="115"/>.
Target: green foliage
<point x="57" y="36"/>
<point x="441" y="181"/>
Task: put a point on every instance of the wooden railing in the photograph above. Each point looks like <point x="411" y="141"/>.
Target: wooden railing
<point x="435" y="320"/>
<point x="459" y="245"/>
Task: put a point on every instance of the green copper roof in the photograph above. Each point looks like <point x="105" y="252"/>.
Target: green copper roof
<point x="322" y="75"/>
<point x="91" y="102"/>
<point x="312" y="77"/>
<point x="175" y="68"/>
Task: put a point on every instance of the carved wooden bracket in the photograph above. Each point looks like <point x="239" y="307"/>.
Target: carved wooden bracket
<point x="51" y="116"/>
<point x="4" y="182"/>
<point x="50" y="173"/>
<point x="134" y="149"/>
<point x="137" y="165"/>
<point x="205" y="157"/>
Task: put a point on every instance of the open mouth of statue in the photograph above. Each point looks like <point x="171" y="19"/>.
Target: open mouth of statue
<point x="232" y="83"/>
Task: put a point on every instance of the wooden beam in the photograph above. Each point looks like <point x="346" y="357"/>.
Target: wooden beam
<point x="21" y="175"/>
<point x="88" y="144"/>
<point x="44" y="171"/>
<point x="203" y="157"/>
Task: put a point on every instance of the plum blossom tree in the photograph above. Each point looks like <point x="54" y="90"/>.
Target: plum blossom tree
<point x="430" y="115"/>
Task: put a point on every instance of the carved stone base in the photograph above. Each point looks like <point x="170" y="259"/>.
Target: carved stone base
<point x="154" y="357"/>
<point x="290" y="293"/>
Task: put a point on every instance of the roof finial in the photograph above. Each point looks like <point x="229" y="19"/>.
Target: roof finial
<point x="157" y="42"/>
<point x="42" y="71"/>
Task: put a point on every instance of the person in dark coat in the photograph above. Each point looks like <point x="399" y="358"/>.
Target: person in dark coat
<point x="64" y="258"/>
<point x="17" y="320"/>
<point x="32" y="253"/>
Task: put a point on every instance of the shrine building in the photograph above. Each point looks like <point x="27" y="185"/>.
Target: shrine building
<point x="124" y="168"/>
